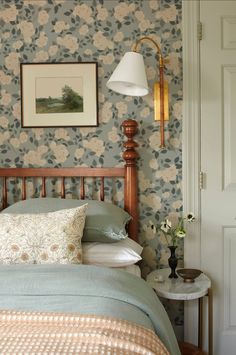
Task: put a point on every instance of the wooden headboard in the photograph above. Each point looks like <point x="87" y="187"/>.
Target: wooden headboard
<point x="128" y="173"/>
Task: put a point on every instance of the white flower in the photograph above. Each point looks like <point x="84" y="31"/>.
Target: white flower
<point x="83" y="30"/>
<point x="88" y="51"/>
<point x="169" y="14"/>
<point x="145" y="112"/>
<point x="101" y="42"/>
<point x="60" y="152"/>
<point x="38" y="132"/>
<point x="69" y="42"/>
<point x="106" y="112"/>
<point x="123" y="10"/>
<point x="86" y="130"/>
<point x="62" y="133"/>
<point x="152" y="200"/>
<point x="96" y="145"/>
<point x="149" y="255"/>
<point x="153" y="164"/>
<point x="153" y="4"/>
<point x="177" y="204"/>
<point x="52" y="50"/>
<point x="102" y="13"/>
<point x="145" y="24"/>
<point x="180" y="233"/>
<point x="122" y="108"/>
<point x="144" y="183"/>
<point x="17" y="44"/>
<point x="42" y="40"/>
<point x="174" y="63"/>
<point x="4" y="137"/>
<point x="9" y="14"/>
<point x="166" y="225"/>
<point x="153" y="227"/>
<point x="15" y="142"/>
<point x="84" y="12"/>
<point x="27" y="30"/>
<point x="168" y="174"/>
<point x="4" y="79"/>
<point x="35" y="157"/>
<point x="6" y="35"/>
<point x="190" y="217"/>
<point x="139" y="15"/>
<point x="3" y="122"/>
<point x="175" y="142"/>
<point x="118" y="37"/>
<point x="60" y="26"/>
<point x="79" y="153"/>
<point x="41" y="56"/>
<point x="43" y="17"/>
<point x="151" y="73"/>
<point x="16" y="110"/>
<point x="12" y="62"/>
<point x="113" y="135"/>
<point x="23" y="137"/>
<point x="5" y="98"/>
<point x="177" y="110"/>
<point x="150" y="230"/>
<point x="154" y="140"/>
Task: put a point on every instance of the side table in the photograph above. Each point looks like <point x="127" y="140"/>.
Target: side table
<point x="177" y="289"/>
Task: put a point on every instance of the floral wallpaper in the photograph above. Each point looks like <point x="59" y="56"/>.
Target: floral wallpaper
<point x="101" y="31"/>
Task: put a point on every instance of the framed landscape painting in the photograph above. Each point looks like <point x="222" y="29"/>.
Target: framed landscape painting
<point x="59" y="94"/>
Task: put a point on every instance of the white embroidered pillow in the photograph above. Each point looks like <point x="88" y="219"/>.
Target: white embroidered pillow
<point x="43" y="238"/>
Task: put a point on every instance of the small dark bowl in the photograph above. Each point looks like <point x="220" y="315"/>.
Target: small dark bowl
<point x="189" y="275"/>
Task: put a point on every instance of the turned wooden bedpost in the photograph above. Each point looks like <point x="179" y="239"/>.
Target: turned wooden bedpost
<point x="130" y="156"/>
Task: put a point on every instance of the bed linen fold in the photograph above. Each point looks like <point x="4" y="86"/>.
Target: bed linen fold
<point x="78" y="283"/>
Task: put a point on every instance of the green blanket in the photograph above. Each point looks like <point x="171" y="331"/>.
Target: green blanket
<point x="85" y="289"/>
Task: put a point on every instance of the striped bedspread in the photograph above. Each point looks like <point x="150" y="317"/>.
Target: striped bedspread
<point x="44" y="333"/>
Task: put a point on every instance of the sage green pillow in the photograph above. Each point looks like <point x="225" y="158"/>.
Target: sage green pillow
<point x="104" y="223"/>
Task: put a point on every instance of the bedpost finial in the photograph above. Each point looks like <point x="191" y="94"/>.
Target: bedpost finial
<point x="130" y="154"/>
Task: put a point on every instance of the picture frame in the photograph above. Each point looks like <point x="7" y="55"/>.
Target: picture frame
<point x="59" y="94"/>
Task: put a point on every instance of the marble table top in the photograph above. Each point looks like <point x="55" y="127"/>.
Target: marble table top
<point x="177" y="289"/>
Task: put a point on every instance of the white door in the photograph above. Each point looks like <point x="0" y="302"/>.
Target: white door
<point x="218" y="163"/>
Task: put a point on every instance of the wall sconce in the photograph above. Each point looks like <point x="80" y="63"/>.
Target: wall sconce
<point x="129" y="78"/>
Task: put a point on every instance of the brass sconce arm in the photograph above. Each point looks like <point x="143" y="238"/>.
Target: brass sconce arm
<point x="156" y="92"/>
<point x="146" y="38"/>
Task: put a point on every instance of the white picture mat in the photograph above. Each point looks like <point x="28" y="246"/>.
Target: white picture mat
<point x="87" y="71"/>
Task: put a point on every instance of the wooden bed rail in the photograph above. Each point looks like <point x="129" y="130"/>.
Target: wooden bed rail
<point x="60" y="173"/>
<point x="128" y="173"/>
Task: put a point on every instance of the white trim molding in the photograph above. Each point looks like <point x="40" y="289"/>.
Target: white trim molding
<point x="191" y="150"/>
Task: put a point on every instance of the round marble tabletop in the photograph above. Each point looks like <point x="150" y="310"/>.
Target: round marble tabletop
<point x="177" y="289"/>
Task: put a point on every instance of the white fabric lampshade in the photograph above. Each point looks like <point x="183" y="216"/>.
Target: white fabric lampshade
<point x="129" y="77"/>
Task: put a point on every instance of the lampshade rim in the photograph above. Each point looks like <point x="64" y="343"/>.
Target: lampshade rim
<point x="144" y="89"/>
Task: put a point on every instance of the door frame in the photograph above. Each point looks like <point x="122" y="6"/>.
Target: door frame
<point x="191" y="150"/>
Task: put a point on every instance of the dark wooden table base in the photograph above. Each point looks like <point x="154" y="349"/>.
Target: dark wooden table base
<point x="190" y="349"/>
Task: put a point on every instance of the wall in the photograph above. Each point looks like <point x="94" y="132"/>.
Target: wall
<point x="102" y="31"/>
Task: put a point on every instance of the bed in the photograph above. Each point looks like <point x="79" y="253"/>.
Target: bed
<point x="51" y="302"/>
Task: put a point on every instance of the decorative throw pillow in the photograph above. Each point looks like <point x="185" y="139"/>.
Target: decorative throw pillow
<point x="43" y="238"/>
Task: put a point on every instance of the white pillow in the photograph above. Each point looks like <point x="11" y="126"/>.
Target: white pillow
<point x="123" y="253"/>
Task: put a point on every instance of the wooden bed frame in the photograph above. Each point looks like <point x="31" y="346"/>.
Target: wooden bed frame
<point x="128" y="173"/>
